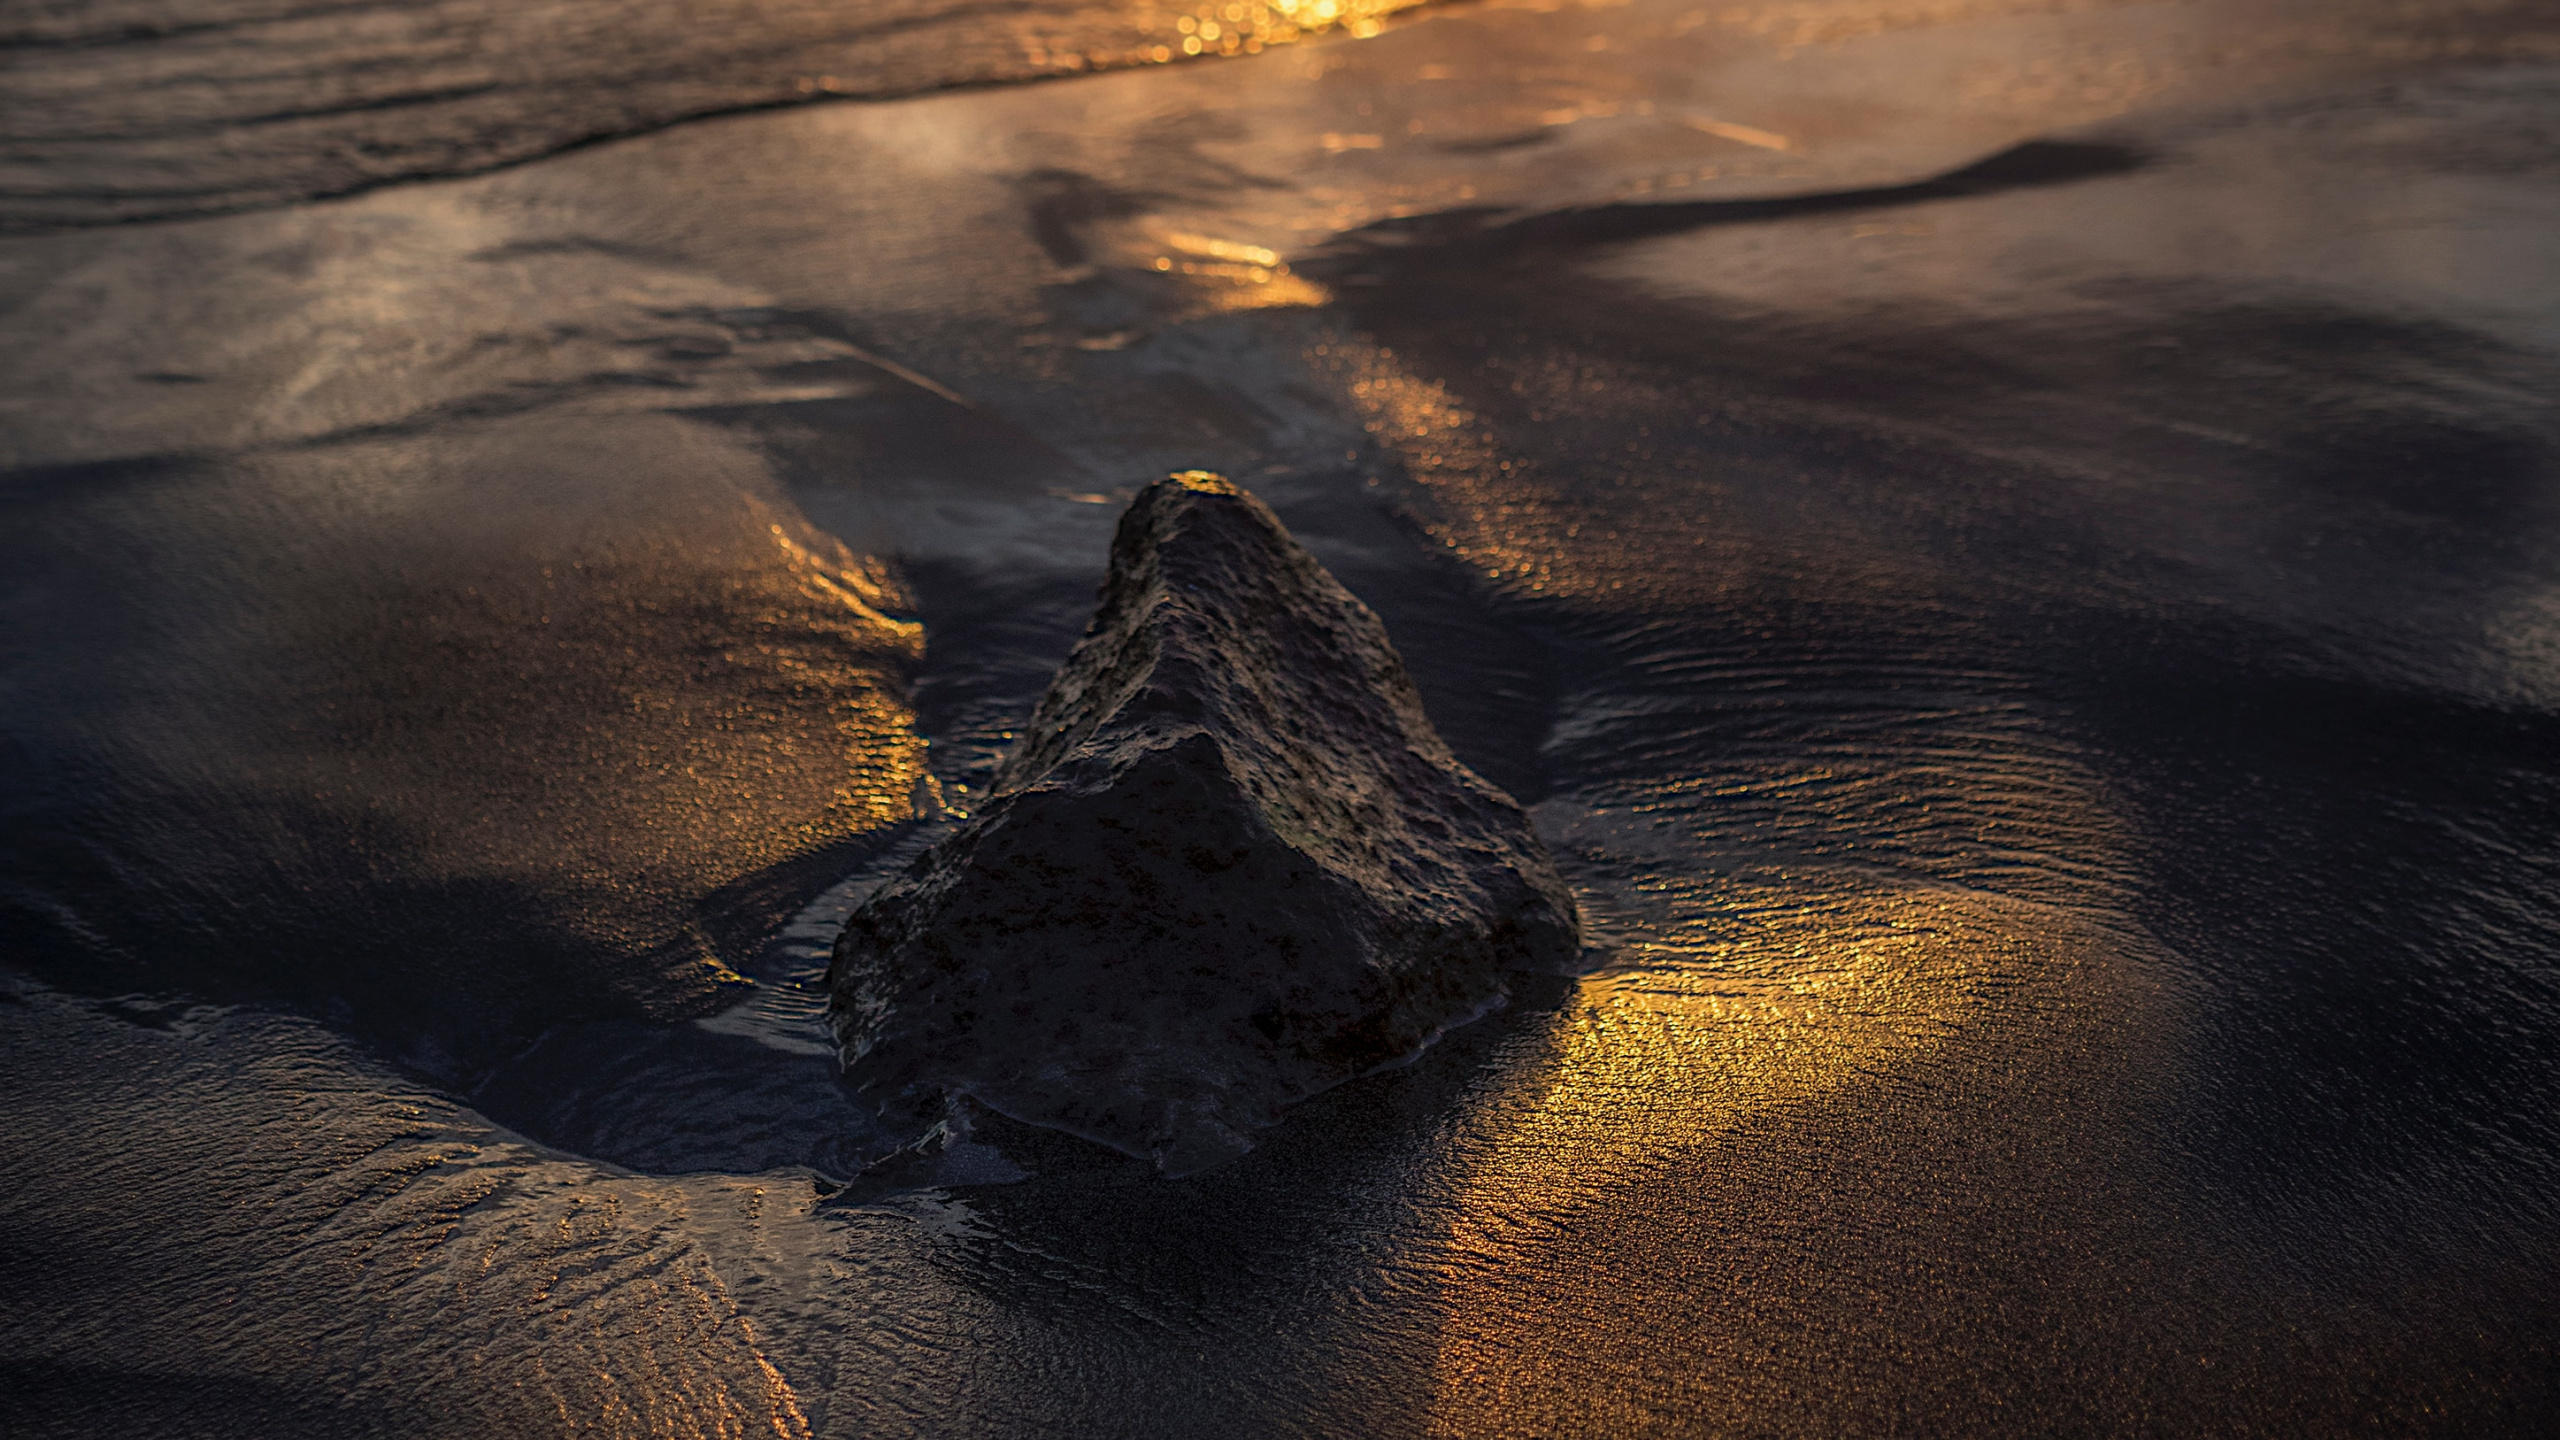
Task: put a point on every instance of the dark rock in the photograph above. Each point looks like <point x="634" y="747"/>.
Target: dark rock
<point x="1228" y="865"/>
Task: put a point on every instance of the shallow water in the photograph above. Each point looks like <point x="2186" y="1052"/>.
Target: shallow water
<point x="2041" y="670"/>
<point x="145" y="109"/>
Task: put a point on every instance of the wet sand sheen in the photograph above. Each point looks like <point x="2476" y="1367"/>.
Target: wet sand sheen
<point x="152" y="109"/>
<point x="2045" y="689"/>
<point x="1711" y="1157"/>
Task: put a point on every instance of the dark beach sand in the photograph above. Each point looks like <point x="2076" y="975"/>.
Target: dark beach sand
<point x="2012" y="550"/>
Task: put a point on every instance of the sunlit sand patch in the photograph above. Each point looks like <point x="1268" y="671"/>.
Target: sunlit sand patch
<point x="1668" y="1064"/>
<point x="1691" y="1030"/>
<point x="1504" y="531"/>
<point x="1621" y="539"/>
<point x="598" y="663"/>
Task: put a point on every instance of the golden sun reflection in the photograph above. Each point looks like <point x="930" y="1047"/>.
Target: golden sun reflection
<point x="887" y="781"/>
<point x="1695" y="1073"/>
<point x="1242" y="276"/>
<point x="1813" y="993"/>
<point x="1743" y="1177"/>
<point x="1506" y="533"/>
<point x="1223" y="27"/>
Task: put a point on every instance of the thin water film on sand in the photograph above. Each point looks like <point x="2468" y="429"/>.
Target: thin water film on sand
<point x="2008" y="550"/>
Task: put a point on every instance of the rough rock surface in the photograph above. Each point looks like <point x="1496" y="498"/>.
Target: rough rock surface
<point x="1229" y="864"/>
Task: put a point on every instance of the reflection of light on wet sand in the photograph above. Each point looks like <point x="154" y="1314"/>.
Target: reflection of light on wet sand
<point x="1745" y="134"/>
<point x="1650" y="1056"/>
<point x="1225" y="27"/>
<point x="1506" y="532"/>
<point x="1624" y="542"/>
<point x="622" y="680"/>
<point x="1243" y="276"/>
<point x="1683" y="1070"/>
<point x="1800" y="1141"/>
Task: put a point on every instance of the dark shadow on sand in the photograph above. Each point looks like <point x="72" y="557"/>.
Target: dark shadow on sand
<point x="1479" y="236"/>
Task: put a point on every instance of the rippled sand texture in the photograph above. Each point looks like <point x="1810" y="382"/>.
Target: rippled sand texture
<point x="2010" y="550"/>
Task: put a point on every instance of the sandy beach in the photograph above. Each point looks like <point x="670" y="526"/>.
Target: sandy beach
<point x="2009" y="548"/>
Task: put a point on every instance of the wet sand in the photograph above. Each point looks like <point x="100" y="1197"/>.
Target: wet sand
<point x="2009" y="548"/>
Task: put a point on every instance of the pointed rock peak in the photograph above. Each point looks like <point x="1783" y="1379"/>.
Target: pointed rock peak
<point x="1229" y="864"/>
<point x="1205" y="482"/>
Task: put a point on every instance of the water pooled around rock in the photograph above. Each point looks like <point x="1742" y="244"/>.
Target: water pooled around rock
<point x="1228" y="865"/>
